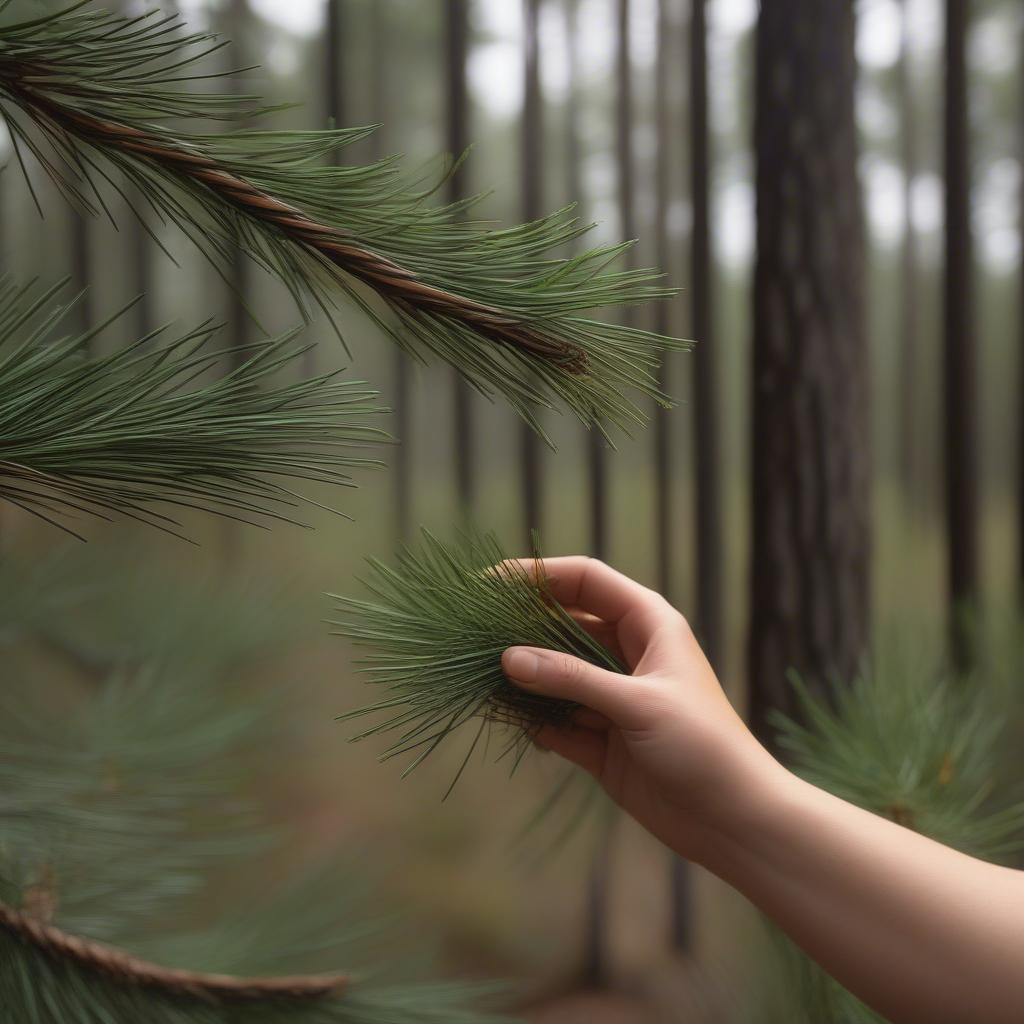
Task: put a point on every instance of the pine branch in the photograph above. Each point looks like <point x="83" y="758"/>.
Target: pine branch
<point x="27" y="934"/>
<point x="437" y="628"/>
<point x="116" y="824"/>
<point x="491" y="302"/>
<point x="122" y="433"/>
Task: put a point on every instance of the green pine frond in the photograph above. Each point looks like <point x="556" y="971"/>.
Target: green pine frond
<point x="123" y="799"/>
<point x="94" y="97"/>
<point x="910" y="743"/>
<point x="48" y="975"/>
<point x="140" y="429"/>
<point x="436" y="628"/>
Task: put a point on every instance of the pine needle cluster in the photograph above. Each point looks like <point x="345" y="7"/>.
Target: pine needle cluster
<point x="95" y="98"/>
<point x="435" y="629"/>
<point x="148" y="428"/>
<point x="912" y="742"/>
<point x="915" y="745"/>
<point x="117" y="823"/>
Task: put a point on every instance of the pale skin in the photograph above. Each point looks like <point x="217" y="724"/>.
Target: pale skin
<point x="920" y="932"/>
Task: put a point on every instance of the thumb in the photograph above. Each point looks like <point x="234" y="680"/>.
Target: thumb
<point x="559" y="675"/>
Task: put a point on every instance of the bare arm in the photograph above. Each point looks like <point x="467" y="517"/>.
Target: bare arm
<point x="923" y="934"/>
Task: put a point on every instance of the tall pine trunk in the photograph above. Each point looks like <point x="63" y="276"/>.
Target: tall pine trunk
<point x="456" y="33"/>
<point x="810" y="444"/>
<point x="708" y="511"/>
<point x="663" y="419"/>
<point x="238" y="314"/>
<point x="531" y="176"/>
<point x="959" y="354"/>
<point x="1020" y="334"/>
<point x="909" y="464"/>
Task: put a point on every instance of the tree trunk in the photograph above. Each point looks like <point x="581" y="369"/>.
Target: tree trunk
<point x="664" y="130"/>
<point x="909" y="467"/>
<point x="140" y="247"/>
<point x="238" y="316"/>
<point x="1020" y="330"/>
<point x="457" y="139"/>
<point x="810" y="439"/>
<point x="380" y="99"/>
<point x="531" y="173"/>
<point x="960" y="415"/>
<point x="708" y="511"/>
<point x="959" y="357"/>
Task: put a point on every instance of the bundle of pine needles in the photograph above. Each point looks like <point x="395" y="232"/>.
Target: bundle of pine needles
<point x="146" y="426"/>
<point x="436" y="630"/>
<point x="98" y="100"/>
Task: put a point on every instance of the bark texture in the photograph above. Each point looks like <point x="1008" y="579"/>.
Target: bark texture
<point x="457" y="139"/>
<point x="707" y="494"/>
<point x="810" y="445"/>
<point x="531" y="176"/>
<point x="960" y="419"/>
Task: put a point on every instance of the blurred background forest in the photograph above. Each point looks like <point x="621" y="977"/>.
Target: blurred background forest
<point x="643" y="113"/>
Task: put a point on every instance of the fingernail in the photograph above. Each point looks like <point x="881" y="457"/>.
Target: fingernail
<point x="522" y="665"/>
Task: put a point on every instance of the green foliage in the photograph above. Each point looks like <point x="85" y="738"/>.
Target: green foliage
<point x="124" y="432"/>
<point x="440" y="620"/>
<point x="124" y="801"/>
<point x="104" y="93"/>
<point x="910" y="743"/>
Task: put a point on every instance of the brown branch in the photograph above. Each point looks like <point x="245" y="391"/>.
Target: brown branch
<point x="395" y="283"/>
<point x="129" y="971"/>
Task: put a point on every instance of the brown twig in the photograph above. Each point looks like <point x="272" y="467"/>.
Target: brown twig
<point x="397" y="284"/>
<point x="130" y="971"/>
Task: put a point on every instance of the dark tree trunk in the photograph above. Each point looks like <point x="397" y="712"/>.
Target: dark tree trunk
<point x="679" y="879"/>
<point x="708" y="512"/>
<point x="596" y="968"/>
<point x="573" y="154"/>
<point x="238" y="315"/>
<point x="531" y="173"/>
<point x="810" y="439"/>
<point x="909" y="464"/>
<point x="959" y="361"/>
<point x="624" y="167"/>
<point x="624" y="128"/>
<point x="664" y="130"/>
<point x="380" y="99"/>
<point x="1020" y="330"/>
<point x="457" y="132"/>
<point x="140" y="248"/>
<point x="334" y="65"/>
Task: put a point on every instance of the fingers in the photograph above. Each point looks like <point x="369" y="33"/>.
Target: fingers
<point x="562" y="676"/>
<point x="592" y="586"/>
<point x="605" y="633"/>
<point x="580" y="746"/>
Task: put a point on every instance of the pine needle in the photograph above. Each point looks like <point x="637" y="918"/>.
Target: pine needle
<point x="908" y="742"/>
<point x="138" y="434"/>
<point x="93" y="96"/>
<point x="437" y="628"/>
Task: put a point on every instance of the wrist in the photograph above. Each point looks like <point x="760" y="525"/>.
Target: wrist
<point x="746" y="807"/>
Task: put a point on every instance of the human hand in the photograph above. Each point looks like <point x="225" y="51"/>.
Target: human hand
<point x="664" y="742"/>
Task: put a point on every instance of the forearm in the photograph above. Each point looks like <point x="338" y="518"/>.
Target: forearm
<point x="924" y="934"/>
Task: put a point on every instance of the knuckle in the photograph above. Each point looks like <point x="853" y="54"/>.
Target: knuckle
<point x="571" y="670"/>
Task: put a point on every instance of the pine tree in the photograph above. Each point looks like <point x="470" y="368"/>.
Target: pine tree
<point x="98" y="813"/>
<point x="810" y="494"/>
